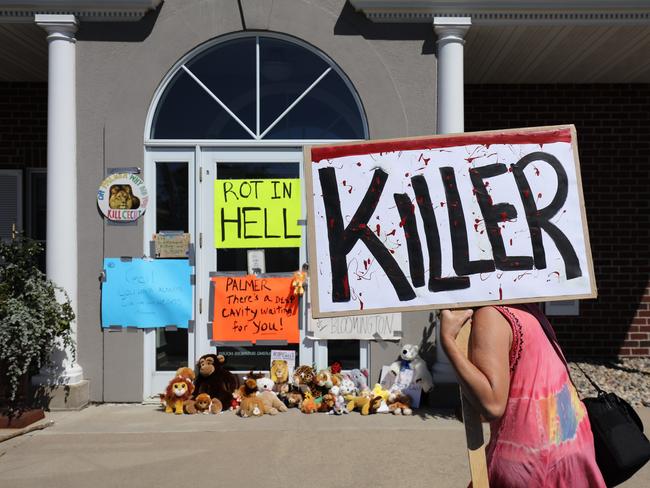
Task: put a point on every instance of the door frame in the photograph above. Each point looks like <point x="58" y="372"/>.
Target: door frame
<point x="210" y="157"/>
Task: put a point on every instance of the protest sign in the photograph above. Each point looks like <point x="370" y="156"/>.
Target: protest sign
<point x="146" y="293"/>
<point x="445" y="221"/>
<point x="286" y="356"/>
<point x="257" y="213"/>
<point x="250" y="309"/>
<point x="122" y="197"/>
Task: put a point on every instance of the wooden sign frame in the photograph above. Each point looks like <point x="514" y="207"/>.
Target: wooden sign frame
<point x="366" y="147"/>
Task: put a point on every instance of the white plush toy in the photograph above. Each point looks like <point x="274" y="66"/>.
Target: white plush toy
<point x="411" y="369"/>
<point x="347" y="388"/>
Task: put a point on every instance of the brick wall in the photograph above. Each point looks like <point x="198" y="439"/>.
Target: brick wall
<point x="613" y="125"/>
<point x="23" y="125"/>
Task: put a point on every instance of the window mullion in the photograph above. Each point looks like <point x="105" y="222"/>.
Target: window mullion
<point x="304" y="94"/>
<point x="257" y="87"/>
<point x="216" y="98"/>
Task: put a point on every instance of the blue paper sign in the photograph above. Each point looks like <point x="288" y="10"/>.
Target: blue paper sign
<point x="147" y="293"/>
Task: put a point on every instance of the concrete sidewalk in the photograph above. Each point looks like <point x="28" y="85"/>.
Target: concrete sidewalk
<point x="139" y="445"/>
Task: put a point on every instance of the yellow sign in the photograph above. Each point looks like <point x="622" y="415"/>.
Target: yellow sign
<point x="257" y="213"/>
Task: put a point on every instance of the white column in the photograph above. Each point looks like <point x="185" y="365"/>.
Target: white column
<point x="61" y="257"/>
<point x="451" y="119"/>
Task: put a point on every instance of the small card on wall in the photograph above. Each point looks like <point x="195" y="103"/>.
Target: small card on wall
<point x="171" y="245"/>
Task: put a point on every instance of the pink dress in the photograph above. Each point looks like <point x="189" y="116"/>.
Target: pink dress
<point x="544" y="438"/>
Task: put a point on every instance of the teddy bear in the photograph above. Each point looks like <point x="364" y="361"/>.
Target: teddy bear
<point x="272" y="403"/>
<point x="214" y="379"/>
<point x="250" y="405"/>
<point x="178" y="392"/>
<point x="206" y="405"/>
<point x="411" y="369"/>
<point x="364" y="404"/>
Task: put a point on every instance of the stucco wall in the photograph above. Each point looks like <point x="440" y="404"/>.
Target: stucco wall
<point x="119" y="67"/>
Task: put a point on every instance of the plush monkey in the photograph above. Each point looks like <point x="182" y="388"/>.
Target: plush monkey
<point x="215" y="380"/>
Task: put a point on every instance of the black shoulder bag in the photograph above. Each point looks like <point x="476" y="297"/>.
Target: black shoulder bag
<point x="621" y="446"/>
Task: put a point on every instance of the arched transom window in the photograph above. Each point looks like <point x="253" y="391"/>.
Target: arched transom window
<point x="256" y="88"/>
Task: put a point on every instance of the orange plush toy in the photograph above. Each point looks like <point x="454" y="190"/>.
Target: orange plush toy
<point x="298" y="283"/>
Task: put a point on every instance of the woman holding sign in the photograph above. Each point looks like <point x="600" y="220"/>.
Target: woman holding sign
<point x="540" y="432"/>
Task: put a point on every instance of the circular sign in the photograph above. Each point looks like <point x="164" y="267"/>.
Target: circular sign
<point x="122" y="197"/>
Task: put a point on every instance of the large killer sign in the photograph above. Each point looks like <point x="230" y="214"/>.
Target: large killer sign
<point x="445" y="221"/>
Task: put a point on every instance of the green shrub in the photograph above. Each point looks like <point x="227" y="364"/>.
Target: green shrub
<point x="33" y="322"/>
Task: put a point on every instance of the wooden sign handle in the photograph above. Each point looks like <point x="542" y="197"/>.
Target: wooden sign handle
<point x="473" y="427"/>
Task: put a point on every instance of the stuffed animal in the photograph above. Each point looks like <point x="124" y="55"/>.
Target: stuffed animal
<point x="179" y="390"/>
<point x="399" y="404"/>
<point x="360" y="378"/>
<point x="323" y="381"/>
<point x="293" y="399"/>
<point x="214" y="379"/>
<point x="327" y="402"/>
<point x="339" y="407"/>
<point x="364" y="404"/>
<point x="272" y="403"/>
<point x="379" y="391"/>
<point x="347" y="388"/>
<point x="186" y="372"/>
<point x="204" y="404"/>
<point x="411" y="369"/>
<point x="236" y="401"/>
<point x="298" y="283"/>
<point x="251" y="405"/>
<point x="308" y="404"/>
<point x="336" y="367"/>
<point x="303" y="377"/>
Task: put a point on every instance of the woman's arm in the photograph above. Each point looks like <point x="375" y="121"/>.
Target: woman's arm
<point x="485" y="376"/>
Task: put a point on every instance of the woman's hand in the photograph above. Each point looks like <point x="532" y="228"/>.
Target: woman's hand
<point x="451" y="321"/>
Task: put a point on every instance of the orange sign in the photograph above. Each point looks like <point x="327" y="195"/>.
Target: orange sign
<point x="250" y="308"/>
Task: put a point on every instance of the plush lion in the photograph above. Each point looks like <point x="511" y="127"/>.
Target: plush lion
<point x="178" y="391"/>
<point x="251" y="405"/>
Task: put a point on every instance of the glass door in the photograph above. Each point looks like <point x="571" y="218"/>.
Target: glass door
<point x="238" y="173"/>
<point x="169" y="173"/>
